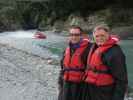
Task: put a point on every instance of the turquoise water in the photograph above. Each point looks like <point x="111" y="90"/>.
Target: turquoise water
<point x="56" y="48"/>
<point x="127" y="46"/>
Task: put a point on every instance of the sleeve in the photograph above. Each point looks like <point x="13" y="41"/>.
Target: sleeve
<point x="118" y="69"/>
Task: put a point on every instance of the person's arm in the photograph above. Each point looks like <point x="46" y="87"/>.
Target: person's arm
<point x="118" y="69"/>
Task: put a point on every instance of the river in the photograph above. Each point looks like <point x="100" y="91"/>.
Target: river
<point x="127" y="46"/>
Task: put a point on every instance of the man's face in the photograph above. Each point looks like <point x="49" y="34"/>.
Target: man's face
<point x="74" y="35"/>
<point x="100" y="36"/>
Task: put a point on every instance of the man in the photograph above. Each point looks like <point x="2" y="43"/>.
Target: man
<point x="106" y="74"/>
<point x="73" y="65"/>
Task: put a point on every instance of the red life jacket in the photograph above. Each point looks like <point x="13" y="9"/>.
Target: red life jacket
<point x="73" y="66"/>
<point x="98" y="73"/>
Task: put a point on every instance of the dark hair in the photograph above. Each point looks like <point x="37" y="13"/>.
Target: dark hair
<point x="76" y="27"/>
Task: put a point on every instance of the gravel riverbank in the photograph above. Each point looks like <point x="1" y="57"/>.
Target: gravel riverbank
<point x="25" y="76"/>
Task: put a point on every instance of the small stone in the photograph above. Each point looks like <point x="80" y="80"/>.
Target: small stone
<point x="50" y="61"/>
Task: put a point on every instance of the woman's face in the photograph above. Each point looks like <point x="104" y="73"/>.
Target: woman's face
<point x="74" y="35"/>
<point x="100" y="36"/>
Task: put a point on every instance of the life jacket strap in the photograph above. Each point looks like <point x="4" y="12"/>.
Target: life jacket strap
<point x="99" y="71"/>
<point x="74" y="69"/>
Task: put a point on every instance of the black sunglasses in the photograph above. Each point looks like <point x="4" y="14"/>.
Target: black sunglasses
<point x="74" y="34"/>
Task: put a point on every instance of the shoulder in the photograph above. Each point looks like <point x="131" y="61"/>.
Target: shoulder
<point x="113" y="55"/>
<point x="89" y="45"/>
<point x="114" y="52"/>
<point x="87" y="49"/>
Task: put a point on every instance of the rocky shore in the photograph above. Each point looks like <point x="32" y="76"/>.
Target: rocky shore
<point x="26" y="77"/>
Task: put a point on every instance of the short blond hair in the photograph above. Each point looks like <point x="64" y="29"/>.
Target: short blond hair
<point x="103" y="27"/>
